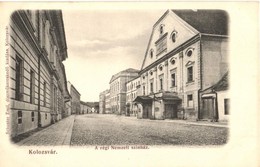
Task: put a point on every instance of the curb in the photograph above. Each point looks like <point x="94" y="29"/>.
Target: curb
<point x="69" y="133"/>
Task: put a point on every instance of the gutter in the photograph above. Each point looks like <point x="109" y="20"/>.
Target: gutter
<point x="199" y="91"/>
<point x="39" y="71"/>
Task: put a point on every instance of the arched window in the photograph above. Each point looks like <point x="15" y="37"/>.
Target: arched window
<point x="160" y="67"/>
<point x="174" y="37"/>
<point x="189" y="52"/>
<point x="172" y="61"/>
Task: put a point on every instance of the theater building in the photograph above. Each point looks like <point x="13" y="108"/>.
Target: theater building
<point x="187" y="52"/>
<point x="37" y="75"/>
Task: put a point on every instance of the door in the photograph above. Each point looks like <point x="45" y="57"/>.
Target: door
<point x="170" y="111"/>
<point x="208" y="108"/>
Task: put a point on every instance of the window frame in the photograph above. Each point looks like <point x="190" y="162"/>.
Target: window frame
<point x="190" y="100"/>
<point x="173" y="80"/>
<point x="32" y="116"/>
<point x="20" y="117"/>
<point x="226" y="106"/>
<point x="32" y="86"/>
<point x="190" y="74"/>
<point x="18" y="78"/>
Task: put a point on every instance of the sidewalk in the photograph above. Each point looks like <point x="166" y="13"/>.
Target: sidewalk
<point x="189" y="122"/>
<point x="55" y="135"/>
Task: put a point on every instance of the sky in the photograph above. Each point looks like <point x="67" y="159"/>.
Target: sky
<point x="102" y="43"/>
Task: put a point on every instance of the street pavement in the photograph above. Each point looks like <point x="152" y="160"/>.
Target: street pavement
<point x="96" y="129"/>
<point x="55" y="135"/>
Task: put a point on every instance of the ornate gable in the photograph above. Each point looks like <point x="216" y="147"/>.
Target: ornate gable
<point x="169" y="32"/>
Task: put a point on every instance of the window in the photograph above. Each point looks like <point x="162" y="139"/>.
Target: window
<point x="143" y="90"/>
<point x="161" y="45"/>
<point x="226" y="106"/>
<point x="189" y="52"/>
<point x="172" y="61"/>
<point x="161" y="29"/>
<point x="161" y="68"/>
<point x="151" y="73"/>
<point x="190" y="74"/>
<point x="20" y="117"/>
<point x="55" y="98"/>
<point x="44" y="94"/>
<point x="151" y="53"/>
<point x="32" y="116"/>
<point x="151" y="87"/>
<point x="32" y="86"/>
<point x="161" y="83"/>
<point x="46" y="115"/>
<point x="173" y="77"/>
<point x="18" y="78"/>
<point x="174" y="35"/>
<point x="190" y="101"/>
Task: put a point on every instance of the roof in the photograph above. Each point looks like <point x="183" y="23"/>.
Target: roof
<point x="143" y="99"/>
<point x="126" y="71"/>
<point x="170" y="96"/>
<point x="206" y="21"/>
<point x="222" y="84"/>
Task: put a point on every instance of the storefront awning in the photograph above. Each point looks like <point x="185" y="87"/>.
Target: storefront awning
<point x="143" y="99"/>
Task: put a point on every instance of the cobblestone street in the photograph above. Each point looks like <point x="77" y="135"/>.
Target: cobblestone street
<point x="94" y="129"/>
<point x="118" y="130"/>
<point x="55" y="135"/>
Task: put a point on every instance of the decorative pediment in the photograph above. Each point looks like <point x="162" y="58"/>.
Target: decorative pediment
<point x="189" y="63"/>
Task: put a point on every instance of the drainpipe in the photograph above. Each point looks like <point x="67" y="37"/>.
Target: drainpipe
<point x="39" y="71"/>
<point x="199" y="91"/>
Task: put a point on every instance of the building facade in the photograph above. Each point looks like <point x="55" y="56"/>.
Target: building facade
<point x="38" y="90"/>
<point x="118" y="90"/>
<point x="102" y="102"/>
<point x="75" y="99"/>
<point x="84" y="108"/>
<point x="215" y="101"/>
<point x="107" y="103"/>
<point x="187" y="53"/>
<point x="132" y="91"/>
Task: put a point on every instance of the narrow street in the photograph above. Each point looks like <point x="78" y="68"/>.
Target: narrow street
<point x="94" y="129"/>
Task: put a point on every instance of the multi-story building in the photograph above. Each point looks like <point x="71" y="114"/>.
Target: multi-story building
<point x="37" y="75"/>
<point x="102" y="102"/>
<point x="75" y="99"/>
<point x="132" y="91"/>
<point x="118" y="89"/>
<point x="187" y="53"/>
<point x="107" y="103"/>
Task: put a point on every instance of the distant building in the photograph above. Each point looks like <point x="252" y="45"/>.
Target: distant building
<point x="84" y="108"/>
<point x="118" y="89"/>
<point x="94" y="107"/>
<point x="133" y="90"/>
<point x="102" y="102"/>
<point x="37" y="76"/>
<point x="186" y="54"/>
<point x="75" y="99"/>
<point x="107" y="102"/>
